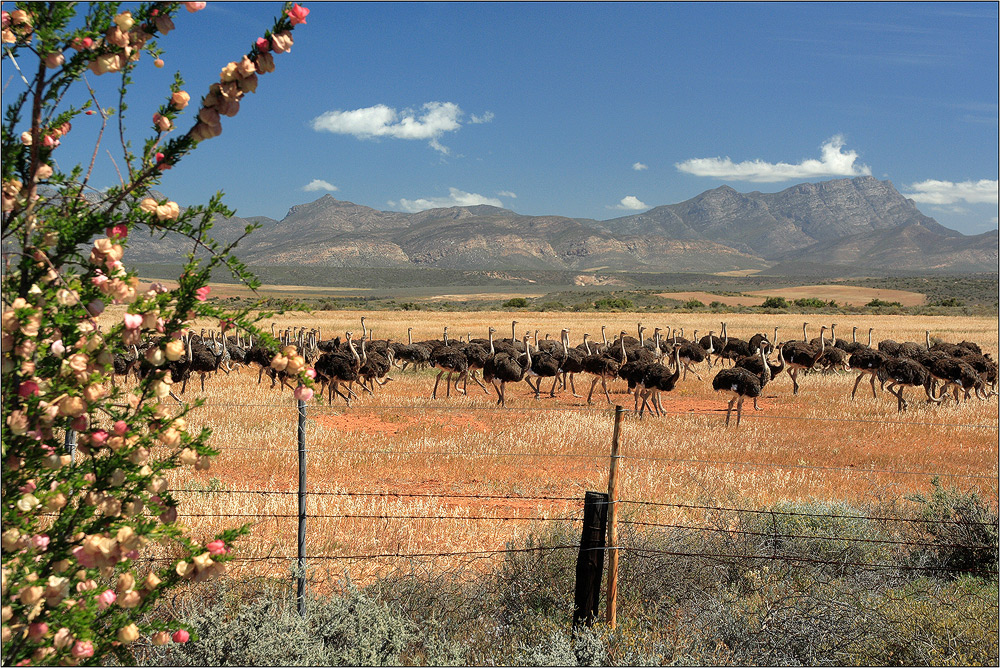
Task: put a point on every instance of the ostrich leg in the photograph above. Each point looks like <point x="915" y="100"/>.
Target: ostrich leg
<point x="434" y="393"/>
<point x="592" y="386"/>
<point x="729" y="410"/>
<point x="739" y="410"/>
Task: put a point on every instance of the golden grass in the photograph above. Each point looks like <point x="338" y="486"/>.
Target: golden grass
<point x="417" y="457"/>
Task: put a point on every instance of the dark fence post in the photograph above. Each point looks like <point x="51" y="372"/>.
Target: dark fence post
<point x="590" y="561"/>
<point x="301" y="585"/>
<point x="70" y="443"/>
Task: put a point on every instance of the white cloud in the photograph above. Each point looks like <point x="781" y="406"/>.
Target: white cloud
<point x="319" y="184"/>
<point x="507" y="193"/>
<point x="983" y="191"/>
<point x="638" y="166"/>
<point x="834" y="162"/>
<point x="455" y="197"/>
<point x="434" y="119"/>
<point x="631" y="203"/>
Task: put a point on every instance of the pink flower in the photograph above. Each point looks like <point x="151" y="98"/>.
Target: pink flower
<point x="159" y="157"/>
<point x="27" y="389"/>
<point x="28" y="487"/>
<point x="201" y="294"/>
<point x="120" y="231"/>
<point x="263" y="46"/>
<point x="40" y="542"/>
<point x="84" y="558"/>
<point x="133" y="320"/>
<point x="99" y="438"/>
<point x="120" y="427"/>
<point x="105" y="598"/>
<point x="311" y="373"/>
<point x="162" y="123"/>
<point x="37" y="630"/>
<point x="217" y="547"/>
<point x="194" y="6"/>
<point x="303" y="393"/>
<point x="83" y="649"/>
<point x="181" y="636"/>
<point x="297" y="14"/>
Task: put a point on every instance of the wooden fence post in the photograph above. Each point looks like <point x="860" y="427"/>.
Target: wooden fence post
<point x="590" y="560"/>
<point x="70" y="443"/>
<point x="301" y="564"/>
<point x="612" y="607"/>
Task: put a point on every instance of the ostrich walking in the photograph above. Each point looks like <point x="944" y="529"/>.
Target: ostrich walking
<point x="759" y="366"/>
<point x="656" y="379"/>
<point x="604" y="367"/>
<point x="867" y="361"/>
<point x="506" y="367"/>
<point x="450" y="360"/>
<point x="739" y="382"/>
<point x="545" y="364"/>
<point x="802" y="355"/>
<point x="572" y="363"/>
<point x="339" y="367"/>
<point x="902" y="372"/>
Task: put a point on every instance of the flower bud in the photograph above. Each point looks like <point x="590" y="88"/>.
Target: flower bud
<point x="128" y="634"/>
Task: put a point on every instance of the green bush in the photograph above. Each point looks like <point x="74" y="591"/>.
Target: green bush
<point x="878" y="303"/>
<point x="810" y="302"/>
<point x="775" y="302"/>
<point x="516" y="302"/>
<point x="614" y="304"/>
<point x="950" y="301"/>
<point x="693" y="303"/>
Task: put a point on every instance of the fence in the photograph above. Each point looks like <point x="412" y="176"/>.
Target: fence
<point x="598" y="517"/>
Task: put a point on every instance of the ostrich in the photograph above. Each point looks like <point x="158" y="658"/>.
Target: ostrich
<point x="800" y="355"/>
<point x="336" y="367"/>
<point x="733" y="349"/>
<point x="449" y="359"/>
<point x="867" y="361"/>
<point x="476" y="356"/>
<point x="125" y="363"/>
<point x="506" y="368"/>
<point x="656" y="379"/>
<point x="855" y="345"/>
<point x="572" y="363"/>
<point x="713" y="346"/>
<point x="759" y="365"/>
<point x="411" y="353"/>
<point x="545" y="364"/>
<point x="604" y="367"/>
<point x="202" y="360"/>
<point x="375" y="367"/>
<point x="692" y="353"/>
<point x="902" y="372"/>
<point x="742" y="383"/>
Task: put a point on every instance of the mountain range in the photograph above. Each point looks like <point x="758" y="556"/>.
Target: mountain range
<point x="859" y="224"/>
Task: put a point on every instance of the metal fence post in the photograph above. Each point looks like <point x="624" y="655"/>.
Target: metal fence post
<point x="301" y="574"/>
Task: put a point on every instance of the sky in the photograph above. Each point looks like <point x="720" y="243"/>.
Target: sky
<point x="587" y="110"/>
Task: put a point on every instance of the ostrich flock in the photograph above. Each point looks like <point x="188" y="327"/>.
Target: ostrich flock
<point x="649" y="365"/>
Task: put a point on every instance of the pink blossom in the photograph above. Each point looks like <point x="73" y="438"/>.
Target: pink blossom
<point x="28" y="487"/>
<point x="217" y="547"/>
<point x="27" y="389"/>
<point x="37" y="630"/>
<point x="303" y="393"/>
<point x="99" y="438"/>
<point x="120" y="427"/>
<point x="95" y="307"/>
<point x="181" y="636"/>
<point x="84" y="558"/>
<point x="311" y="373"/>
<point x="201" y="294"/>
<point x="105" y="598"/>
<point x="120" y="231"/>
<point x="133" y="320"/>
<point x="194" y="6"/>
<point x="297" y="14"/>
<point x="83" y="649"/>
<point x="40" y="541"/>
<point x="263" y="46"/>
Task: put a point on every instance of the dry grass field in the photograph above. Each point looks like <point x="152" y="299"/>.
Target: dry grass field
<point x="388" y="474"/>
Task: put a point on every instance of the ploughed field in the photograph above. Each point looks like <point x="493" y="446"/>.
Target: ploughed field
<point x="400" y="473"/>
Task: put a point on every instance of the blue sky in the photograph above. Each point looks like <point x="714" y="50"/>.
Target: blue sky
<point x="589" y="110"/>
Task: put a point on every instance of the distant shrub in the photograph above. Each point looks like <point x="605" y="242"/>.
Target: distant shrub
<point x="775" y="302"/>
<point x="410" y="306"/>
<point x="551" y="306"/>
<point x="878" y="303"/>
<point x="950" y="301"/>
<point x="810" y="302"/>
<point x="516" y="302"/>
<point x="716" y="304"/>
<point x="614" y="304"/>
<point x="693" y="303"/>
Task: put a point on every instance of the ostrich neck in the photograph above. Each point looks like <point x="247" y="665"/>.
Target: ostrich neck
<point x="354" y="352"/>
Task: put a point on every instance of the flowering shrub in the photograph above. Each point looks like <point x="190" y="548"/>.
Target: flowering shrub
<point x="90" y="541"/>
